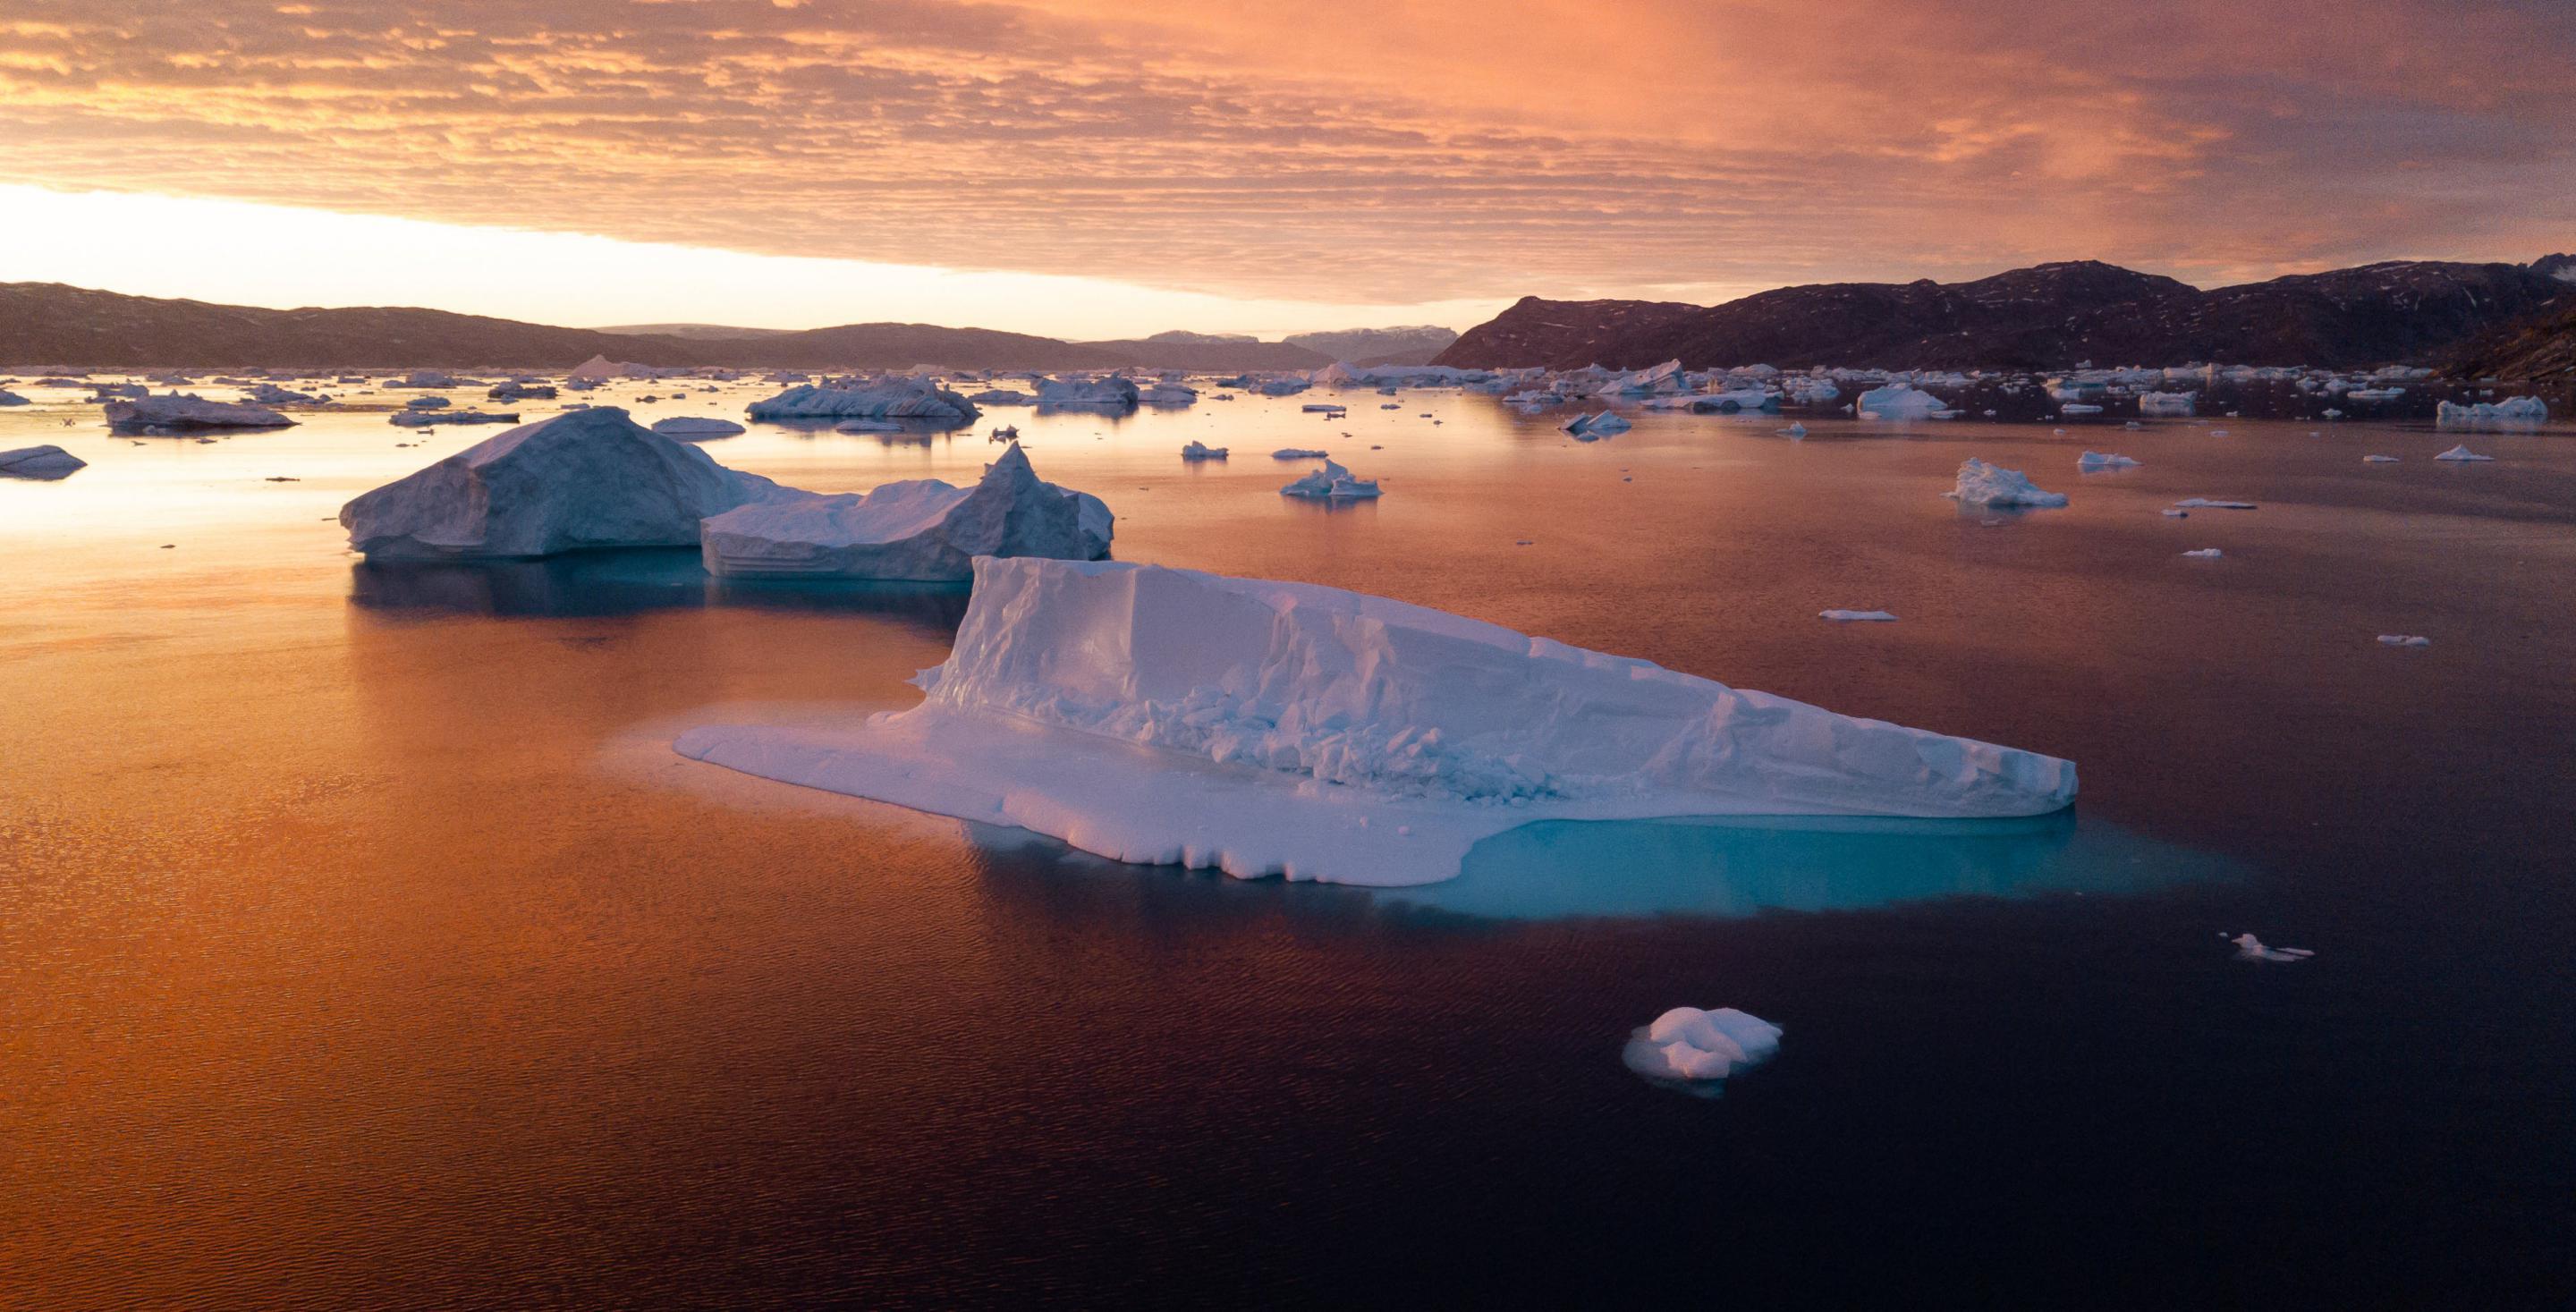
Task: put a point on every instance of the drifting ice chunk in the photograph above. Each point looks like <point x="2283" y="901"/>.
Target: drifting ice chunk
<point x="1168" y="394"/>
<point x="272" y="394"/>
<point x="2092" y="460"/>
<point x="2379" y="460"/>
<point x="1849" y="616"/>
<point x="2251" y="948"/>
<point x="923" y="529"/>
<point x="1746" y="400"/>
<point x="1900" y="402"/>
<point x="1002" y="396"/>
<point x="1298" y="453"/>
<point x="44" y="462"/>
<point x="894" y="398"/>
<point x="591" y="478"/>
<point x="1202" y="451"/>
<point x="2204" y="503"/>
<point x="1689" y="1044"/>
<point x="435" y="418"/>
<point x="692" y="428"/>
<point x="1331" y="482"/>
<point x="2166" y="403"/>
<point x="2462" y="452"/>
<point x="1168" y="716"/>
<point x="1982" y="484"/>
<point x="175" y="411"/>
<point x="2404" y="640"/>
<point x="1792" y="431"/>
<point x="2519" y="412"/>
<point x="1112" y="393"/>
<point x="1591" y="428"/>
<point x="2205" y="553"/>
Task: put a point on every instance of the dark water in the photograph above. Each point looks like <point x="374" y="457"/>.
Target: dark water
<point x="361" y="943"/>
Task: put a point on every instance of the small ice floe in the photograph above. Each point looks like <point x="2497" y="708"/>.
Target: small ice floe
<point x="2462" y="453"/>
<point x="1332" y="482"/>
<point x="2379" y="460"/>
<point x="693" y="428"/>
<point x="42" y="462"/>
<point x="2166" y="403"/>
<point x="1593" y="427"/>
<point x="1691" y="1046"/>
<point x="1899" y="402"/>
<point x="427" y="403"/>
<point x="2134" y="426"/>
<point x="2218" y="432"/>
<point x="2519" y="412"/>
<point x="2171" y="513"/>
<point x="2057" y="432"/>
<point x="2205" y="553"/>
<point x="1324" y="408"/>
<point x="2404" y="640"/>
<point x="1202" y="451"/>
<point x="2250" y="948"/>
<point x="1298" y="453"/>
<point x="435" y="418"/>
<point x="2093" y="460"/>
<point x="1793" y="430"/>
<point x="1852" y="616"/>
<point x="1982" y="484"/>
<point x="2204" y="503"/>
<point x="176" y="411"/>
<point x="2078" y="408"/>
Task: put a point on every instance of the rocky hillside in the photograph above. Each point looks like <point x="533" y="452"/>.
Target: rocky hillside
<point x="2046" y="316"/>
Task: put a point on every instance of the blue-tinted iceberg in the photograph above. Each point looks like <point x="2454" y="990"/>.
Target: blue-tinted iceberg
<point x="1168" y="716"/>
<point x="924" y="530"/>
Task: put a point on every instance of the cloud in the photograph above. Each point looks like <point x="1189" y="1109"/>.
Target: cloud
<point x="1433" y="150"/>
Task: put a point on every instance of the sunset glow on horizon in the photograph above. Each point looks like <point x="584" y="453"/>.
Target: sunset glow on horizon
<point x="1079" y="168"/>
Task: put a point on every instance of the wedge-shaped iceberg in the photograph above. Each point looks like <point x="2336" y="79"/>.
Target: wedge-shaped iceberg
<point x="590" y="478"/>
<point x="921" y="529"/>
<point x="891" y="398"/>
<point x="173" y="410"/>
<point x="2517" y="412"/>
<point x="1168" y="716"/>
<point x="1332" y="482"/>
<point x="44" y="462"/>
<point x="1982" y="484"/>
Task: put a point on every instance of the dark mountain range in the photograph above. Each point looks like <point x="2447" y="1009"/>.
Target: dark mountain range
<point x="2047" y="316"/>
<point x="699" y="331"/>
<point x="1413" y="344"/>
<point x="1223" y="357"/>
<point x="2538" y="349"/>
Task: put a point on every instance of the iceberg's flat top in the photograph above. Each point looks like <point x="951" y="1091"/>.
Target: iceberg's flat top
<point x="1165" y="715"/>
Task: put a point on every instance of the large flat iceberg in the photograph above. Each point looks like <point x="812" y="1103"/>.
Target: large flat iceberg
<point x="582" y="480"/>
<point x="173" y="410"/>
<point x="1168" y="716"/>
<point x="892" y="398"/>
<point x="2516" y="412"/>
<point x="924" y="530"/>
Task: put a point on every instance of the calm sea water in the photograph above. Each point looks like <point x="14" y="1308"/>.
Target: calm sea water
<point x="362" y="944"/>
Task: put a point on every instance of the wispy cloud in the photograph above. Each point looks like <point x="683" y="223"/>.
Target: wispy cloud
<point x="1425" y="151"/>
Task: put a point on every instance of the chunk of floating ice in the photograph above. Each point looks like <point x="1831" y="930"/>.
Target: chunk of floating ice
<point x="923" y="530"/>
<point x="176" y="411"/>
<point x="1898" y="402"/>
<point x="692" y="428"/>
<point x="1298" y="453"/>
<point x="2103" y="460"/>
<point x="1982" y="484"/>
<point x="2519" y="412"/>
<point x="1793" y="430"/>
<point x="1202" y="451"/>
<point x="443" y="418"/>
<point x="2250" y="948"/>
<point x="2204" y="503"/>
<point x="591" y="478"/>
<point x="2379" y="460"/>
<point x="1161" y="715"/>
<point x="2171" y="513"/>
<point x="1847" y="616"/>
<point x="2166" y="403"/>
<point x="2404" y="640"/>
<point x="2205" y="553"/>
<point x="1593" y="427"/>
<point x="896" y="398"/>
<point x="1331" y="482"/>
<point x="40" y="462"/>
<point x="1691" y="1045"/>
<point x="2462" y="452"/>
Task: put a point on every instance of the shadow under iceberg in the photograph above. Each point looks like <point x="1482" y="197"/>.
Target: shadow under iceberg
<point x="592" y="584"/>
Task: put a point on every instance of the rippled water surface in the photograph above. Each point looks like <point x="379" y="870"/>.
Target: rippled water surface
<point x="361" y="942"/>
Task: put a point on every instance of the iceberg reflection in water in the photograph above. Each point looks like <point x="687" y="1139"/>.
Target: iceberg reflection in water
<point x="630" y="581"/>
<point x="1737" y="866"/>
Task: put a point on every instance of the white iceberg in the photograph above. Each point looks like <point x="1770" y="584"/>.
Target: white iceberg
<point x="2250" y="948"/>
<point x="2519" y="412"/>
<point x="272" y="394"/>
<point x="2404" y="640"/>
<point x="1982" y="484"/>
<point x="2379" y="460"/>
<point x="1168" y="394"/>
<point x="41" y="462"/>
<point x="1111" y="393"/>
<point x="1856" y="616"/>
<point x="1168" y="716"/>
<point x="895" y="398"/>
<point x="2167" y="403"/>
<point x="922" y="529"/>
<point x="1002" y="396"/>
<point x="2462" y="453"/>
<point x="1688" y="1044"/>
<point x="587" y="479"/>
<point x="2205" y="553"/>
<point x="1745" y="400"/>
<point x="1593" y="427"/>
<point x="2092" y="460"/>
<point x="695" y="428"/>
<point x="1331" y="482"/>
<point x="1202" y="451"/>
<point x="172" y="410"/>
<point x="1898" y="402"/>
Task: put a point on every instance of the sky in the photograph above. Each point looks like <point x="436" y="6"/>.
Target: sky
<point x="1105" y="168"/>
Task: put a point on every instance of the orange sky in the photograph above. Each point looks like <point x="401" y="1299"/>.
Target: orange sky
<point x="1340" y="154"/>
